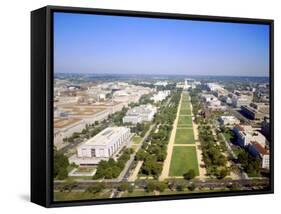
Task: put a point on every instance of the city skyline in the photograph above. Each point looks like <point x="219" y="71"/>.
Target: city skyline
<point x="130" y="45"/>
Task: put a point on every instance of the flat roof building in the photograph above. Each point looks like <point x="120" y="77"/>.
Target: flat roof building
<point x="161" y="83"/>
<point x="265" y="128"/>
<point x="139" y="114"/>
<point x="161" y="95"/>
<point x="228" y="120"/>
<point x="214" y="86"/>
<point x="104" y="144"/>
<point x="246" y="134"/>
<point x="254" y="141"/>
<point x="238" y="101"/>
<point x="258" y="150"/>
<point x="256" y="111"/>
<point x="212" y="102"/>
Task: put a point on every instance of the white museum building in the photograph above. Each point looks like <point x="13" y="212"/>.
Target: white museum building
<point x="105" y="144"/>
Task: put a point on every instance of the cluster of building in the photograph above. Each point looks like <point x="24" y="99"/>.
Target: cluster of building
<point x="160" y="96"/>
<point x="254" y="141"/>
<point x="139" y="114"/>
<point x="262" y="92"/>
<point x="111" y="140"/>
<point x="240" y="99"/>
<point x="78" y="105"/>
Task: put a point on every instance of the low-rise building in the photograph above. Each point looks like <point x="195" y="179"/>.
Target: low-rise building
<point x="238" y="101"/>
<point x="255" y="111"/>
<point x="265" y="128"/>
<point x="254" y="141"/>
<point x="139" y="114"/>
<point x="161" y="95"/>
<point x="212" y="102"/>
<point x="246" y="134"/>
<point x="258" y="150"/>
<point x="228" y="120"/>
<point x="105" y="144"/>
<point x="214" y="86"/>
<point x="64" y="128"/>
<point x="161" y="83"/>
<point x="209" y="97"/>
<point x="226" y="99"/>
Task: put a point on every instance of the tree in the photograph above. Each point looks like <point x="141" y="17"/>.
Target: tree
<point x="179" y="187"/>
<point x="60" y="165"/>
<point x="62" y="174"/>
<point x="69" y="186"/>
<point x="249" y="163"/>
<point x="141" y="154"/>
<point x="161" y="186"/>
<point x="189" y="175"/>
<point x="222" y="173"/>
<point x="123" y="187"/>
<point x="191" y="187"/>
<point x="150" y="187"/>
<point x="111" y="168"/>
<point x="96" y="188"/>
<point x="131" y="189"/>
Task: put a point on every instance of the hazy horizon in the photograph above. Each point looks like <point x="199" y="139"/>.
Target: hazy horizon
<point x="137" y="74"/>
<point x="99" y="44"/>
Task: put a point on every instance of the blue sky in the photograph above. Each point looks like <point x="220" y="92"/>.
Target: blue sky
<point x="127" y="45"/>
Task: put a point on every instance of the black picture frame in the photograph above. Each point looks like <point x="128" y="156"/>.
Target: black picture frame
<point x="42" y="103"/>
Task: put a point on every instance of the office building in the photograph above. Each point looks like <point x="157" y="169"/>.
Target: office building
<point x="139" y="114"/>
<point x="105" y="144"/>
<point x="228" y="120"/>
<point x="243" y="100"/>
<point x="258" y="150"/>
<point x="160" y="96"/>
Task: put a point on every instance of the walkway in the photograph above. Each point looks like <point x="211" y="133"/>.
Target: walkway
<point x="202" y="170"/>
<point x="167" y="162"/>
<point x="134" y="175"/>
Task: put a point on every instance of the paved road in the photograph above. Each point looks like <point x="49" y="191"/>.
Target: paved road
<point x="127" y="170"/>
<point x="129" y="165"/>
<point x="238" y="114"/>
<point x="82" y="185"/>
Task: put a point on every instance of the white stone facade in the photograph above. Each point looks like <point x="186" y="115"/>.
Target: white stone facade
<point x="104" y="144"/>
<point x="139" y="114"/>
<point x="161" y="95"/>
<point x="228" y="120"/>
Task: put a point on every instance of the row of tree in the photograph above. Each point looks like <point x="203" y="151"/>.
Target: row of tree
<point x="140" y="129"/>
<point x="111" y="169"/>
<point x="154" y="150"/>
<point x="215" y="161"/>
